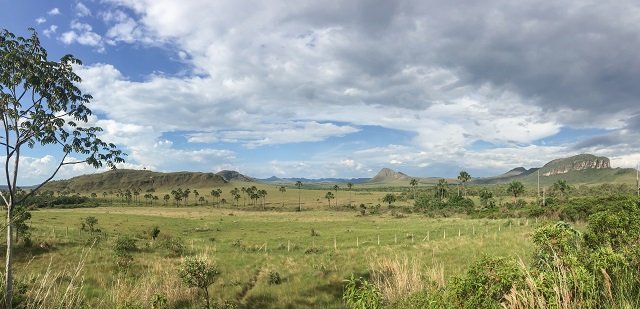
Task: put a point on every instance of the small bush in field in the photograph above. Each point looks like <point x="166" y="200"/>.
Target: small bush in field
<point x="198" y="273"/>
<point x="274" y="278"/>
<point x="154" y="232"/>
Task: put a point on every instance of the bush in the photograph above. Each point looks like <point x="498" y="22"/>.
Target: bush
<point x="274" y="278"/>
<point x="361" y="294"/>
<point x="485" y="283"/>
<point x="174" y="245"/>
<point x="198" y="273"/>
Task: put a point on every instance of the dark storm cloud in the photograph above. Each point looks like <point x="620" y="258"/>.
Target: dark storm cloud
<point x="556" y="54"/>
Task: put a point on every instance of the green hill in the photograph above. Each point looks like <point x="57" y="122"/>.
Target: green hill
<point x="143" y="179"/>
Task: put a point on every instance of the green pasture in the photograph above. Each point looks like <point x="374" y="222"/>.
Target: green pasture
<point x="249" y="246"/>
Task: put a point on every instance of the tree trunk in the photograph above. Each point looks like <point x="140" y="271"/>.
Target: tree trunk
<point x="206" y="294"/>
<point x="8" y="282"/>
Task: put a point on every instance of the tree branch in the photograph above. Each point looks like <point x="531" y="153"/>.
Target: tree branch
<point x="44" y="182"/>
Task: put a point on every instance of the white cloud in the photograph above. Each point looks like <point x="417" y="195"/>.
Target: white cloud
<point x="40" y="20"/>
<point x="82" y="33"/>
<point x="82" y="10"/>
<point x="54" y="11"/>
<point x="50" y="31"/>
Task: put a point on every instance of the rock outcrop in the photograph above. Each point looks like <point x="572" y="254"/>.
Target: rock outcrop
<point x="575" y="163"/>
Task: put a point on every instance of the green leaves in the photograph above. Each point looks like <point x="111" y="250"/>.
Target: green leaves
<point x="198" y="273"/>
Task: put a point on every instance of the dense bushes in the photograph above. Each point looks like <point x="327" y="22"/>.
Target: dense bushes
<point x="594" y="269"/>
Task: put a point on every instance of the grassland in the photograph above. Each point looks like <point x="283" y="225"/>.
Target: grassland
<point x="251" y="245"/>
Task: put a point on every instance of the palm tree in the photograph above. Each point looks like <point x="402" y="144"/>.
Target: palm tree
<point x="283" y="189"/>
<point x="166" y="198"/>
<point x="263" y="195"/>
<point x="335" y="188"/>
<point x="464" y="177"/>
<point x="329" y="196"/>
<point x="349" y="187"/>
<point x="235" y="193"/>
<point x="185" y="194"/>
<point x="244" y="199"/>
<point x="299" y="185"/>
<point x="215" y="193"/>
<point x="197" y="194"/>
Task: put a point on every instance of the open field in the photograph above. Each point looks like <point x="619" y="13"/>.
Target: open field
<point x="250" y="246"/>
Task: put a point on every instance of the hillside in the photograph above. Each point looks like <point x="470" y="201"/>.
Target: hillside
<point x="231" y="176"/>
<point x="578" y="169"/>
<point x="126" y="179"/>
<point x="389" y="175"/>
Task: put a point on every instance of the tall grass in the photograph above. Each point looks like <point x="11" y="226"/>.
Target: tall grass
<point x="52" y="289"/>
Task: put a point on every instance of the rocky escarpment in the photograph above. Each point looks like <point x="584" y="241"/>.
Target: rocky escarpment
<point x="575" y="163"/>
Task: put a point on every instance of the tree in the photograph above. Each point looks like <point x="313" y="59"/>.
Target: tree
<point x="283" y="189"/>
<point x="515" y="188"/>
<point x="263" y="194"/>
<point x="166" y="198"/>
<point x="441" y="188"/>
<point x="198" y="273"/>
<point x="244" y="199"/>
<point x="335" y="188"/>
<point x="299" y="185"/>
<point x="389" y="198"/>
<point x="349" y="187"/>
<point x="216" y="193"/>
<point x="197" y="195"/>
<point x="235" y="193"/>
<point x="463" y="178"/>
<point x="177" y="195"/>
<point x="185" y="194"/>
<point x="413" y="184"/>
<point x="329" y="196"/>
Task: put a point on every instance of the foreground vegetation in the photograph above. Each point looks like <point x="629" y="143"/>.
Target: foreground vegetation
<point x="401" y="247"/>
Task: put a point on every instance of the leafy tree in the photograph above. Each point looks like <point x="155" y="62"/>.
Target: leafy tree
<point x="336" y="188"/>
<point x="515" y="188"/>
<point x="41" y="105"/>
<point x="389" y="198"/>
<point x="282" y="189"/>
<point x="216" y="193"/>
<point x="329" y="196"/>
<point x="244" y="199"/>
<point x="349" y="187"/>
<point x="463" y="178"/>
<point x="185" y="194"/>
<point x="299" y="186"/>
<point x="198" y="273"/>
<point x="201" y="200"/>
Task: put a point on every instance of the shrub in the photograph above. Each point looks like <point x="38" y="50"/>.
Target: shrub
<point x="485" y="283"/>
<point x="154" y="232"/>
<point x="361" y="294"/>
<point x="198" y="273"/>
<point x="274" y="278"/>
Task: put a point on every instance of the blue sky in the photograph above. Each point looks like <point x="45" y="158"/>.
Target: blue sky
<point x="342" y="89"/>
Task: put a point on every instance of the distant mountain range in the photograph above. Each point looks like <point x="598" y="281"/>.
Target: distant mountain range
<point x="579" y="169"/>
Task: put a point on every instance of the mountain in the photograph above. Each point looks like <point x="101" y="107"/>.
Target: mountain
<point x="143" y="179"/>
<point x="389" y="175"/>
<point x="230" y="176"/>
<point x="578" y="169"/>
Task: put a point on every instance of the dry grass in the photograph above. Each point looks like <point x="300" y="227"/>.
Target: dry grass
<point x="397" y="277"/>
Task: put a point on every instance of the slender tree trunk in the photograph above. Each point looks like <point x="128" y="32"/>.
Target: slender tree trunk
<point x="206" y="294"/>
<point x="299" y="201"/>
<point x="8" y="282"/>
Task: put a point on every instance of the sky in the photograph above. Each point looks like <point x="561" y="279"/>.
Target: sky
<point x="344" y="88"/>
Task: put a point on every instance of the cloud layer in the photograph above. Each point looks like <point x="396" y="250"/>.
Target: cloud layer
<point x="450" y="74"/>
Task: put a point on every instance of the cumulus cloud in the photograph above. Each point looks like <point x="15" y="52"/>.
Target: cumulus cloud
<point x="82" y="10"/>
<point x="82" y="33"/>
<point x="450" y="73"/>
<point x="54" y="11"/>
<point x="50" y="31"/>
<point x="40" y="20"/>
